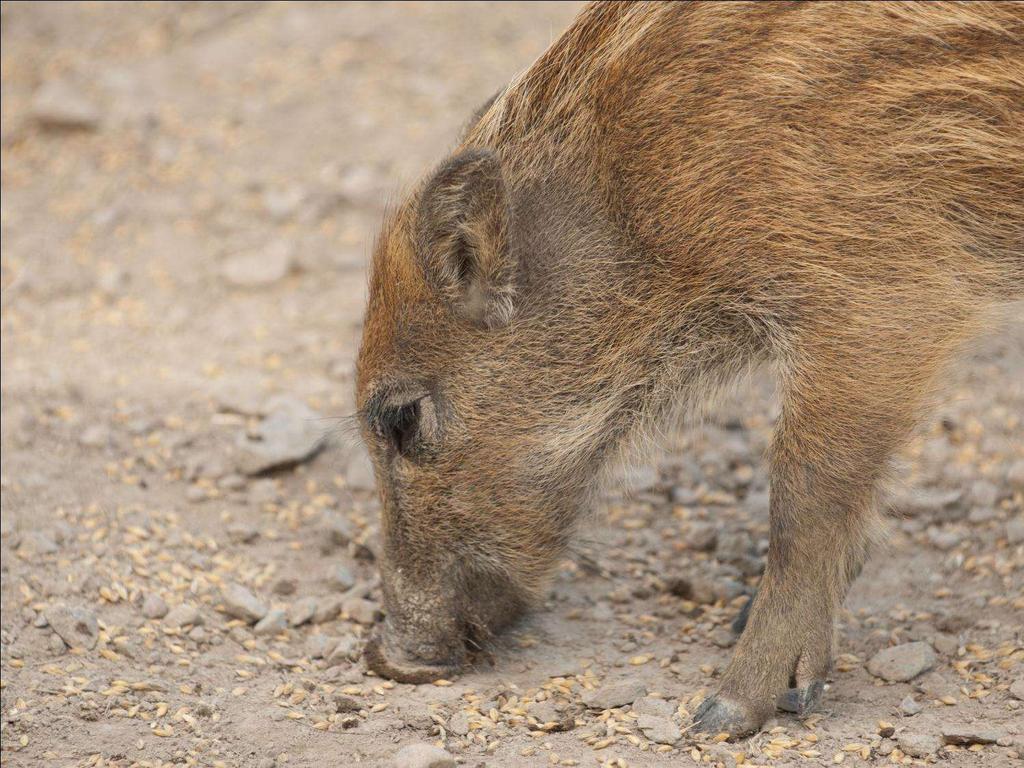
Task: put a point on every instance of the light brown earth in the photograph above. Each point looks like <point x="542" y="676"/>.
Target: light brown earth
<point x="225" y="141"/>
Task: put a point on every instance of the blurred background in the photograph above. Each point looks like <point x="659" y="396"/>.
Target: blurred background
<point x="190" y="192"/>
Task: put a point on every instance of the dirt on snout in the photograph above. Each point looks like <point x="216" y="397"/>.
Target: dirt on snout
<point x="189" y="529"/>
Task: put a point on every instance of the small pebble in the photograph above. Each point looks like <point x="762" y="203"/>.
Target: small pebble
<point x="154" y="606"/>
<point x="423" y="756"/>
<point x="182" y="616"/>
<point x="274" y="622"/>
<point x="242" y="604"/>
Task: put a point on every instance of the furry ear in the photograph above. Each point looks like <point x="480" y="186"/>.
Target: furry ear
<point x="463" y="237"/>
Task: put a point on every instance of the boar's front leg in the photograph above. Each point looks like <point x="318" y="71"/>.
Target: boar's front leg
<point x="833" y="442"/>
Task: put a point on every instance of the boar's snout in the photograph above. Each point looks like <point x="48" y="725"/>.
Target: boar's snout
<point x="422" y="637"/>
<point x="429" y="631"/>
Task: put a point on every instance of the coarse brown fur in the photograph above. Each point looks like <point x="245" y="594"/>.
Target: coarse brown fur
<point x="672" y="194"/>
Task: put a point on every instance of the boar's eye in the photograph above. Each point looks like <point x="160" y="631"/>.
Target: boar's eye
<point x="400" y="426"/>
<point x="404" y="426"/>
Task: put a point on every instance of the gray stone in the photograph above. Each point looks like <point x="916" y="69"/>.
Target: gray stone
<point x="290" y="434"/>
<point x="242" y="604"/>
<point x="616" y="694"/>
<point x="702" y="537"/>
<point x="338" y="529"/>
<point x="944" y="538"/>
<point x="260" y="268"/>
<point x="649" y="705"/>
<point x="659" y="729"/>
<point x="910" y="707"/>
<point x="273" y="623"/>
<point x="320" y="646"/>
<point x="984" y="493"/>
<point x="37" y="543"/>
<point x="76" y="626"/>
<point x="242" y="533"/>
<point x="423" y="756"/>
<point x="60" y="105"/>
<point x="918" y="744"/>
<point x="285" y="586"/>
<point x="925" y="500"/>
<point x="301" y="611"/>
<point x="360" y="610"/>
<point x="1017" y="688"/>
<point x="902" y="662"/>
<point x="154" y="606"/>
<point x="341" y="577"/>
<point x="346" y="648"/>
<point x="459" y="723"/>
<point x="327" y="609"/>
<point x="183" y="615"/>
<point x="734" y="545"/>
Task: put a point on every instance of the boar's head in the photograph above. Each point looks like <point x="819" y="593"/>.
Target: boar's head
<point x="474" y="392"/>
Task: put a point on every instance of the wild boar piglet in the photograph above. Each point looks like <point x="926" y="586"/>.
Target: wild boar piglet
<point x="672" y="194"/>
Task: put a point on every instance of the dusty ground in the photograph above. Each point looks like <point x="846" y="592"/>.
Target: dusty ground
<point x="189" y="194"/>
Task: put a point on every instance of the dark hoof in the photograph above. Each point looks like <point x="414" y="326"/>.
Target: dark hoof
<point x="720" y="715"/>
<point x="802" y="701"/>
<point x="400" y="671"/>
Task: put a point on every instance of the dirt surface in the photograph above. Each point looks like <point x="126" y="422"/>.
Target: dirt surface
<point x="189" y="194"/>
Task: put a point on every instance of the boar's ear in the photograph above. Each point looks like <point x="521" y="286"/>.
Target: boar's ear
<point x="463" y="233"/>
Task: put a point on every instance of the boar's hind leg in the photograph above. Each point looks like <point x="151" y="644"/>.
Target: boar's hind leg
<point x="835" y="437"/>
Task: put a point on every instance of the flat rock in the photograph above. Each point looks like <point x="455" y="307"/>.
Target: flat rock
<point x="459" y="723"/>
<point x="338" y="529"/>
<point x="59" y="105"/>
<point x="290" y="434"/>
<point x="965" y="735"/>
<point x="925" y="500"/>
<point x="659" y="729"/>
<point x="423" y="756"/>
<point x="910" y="706"/>
<point x="77" y="627"/>
<point x="702" y="537"/>
<point x="919" y="744"/>
<point x="327" y="609"/>
<point x="260" y="268"/>
<point x="346" y="648"/>
<point x="274" y="622"/>
<point x="648" y="705"/>
<point x="902" y="662"/>
<point x="340" y="577"/>
<point x="1017" y="688"/>
<point x="360" y="610"/>
<point x="242" y="533"/>
<point x="617" y="694"/>
<point x="242" y="604"/>
<point x="302" y="611"/>
<point x="320" y="646"/>
<point x="183" y="615"/>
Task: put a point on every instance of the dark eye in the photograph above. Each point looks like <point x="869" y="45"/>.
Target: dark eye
<point x="400" y="426"/>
